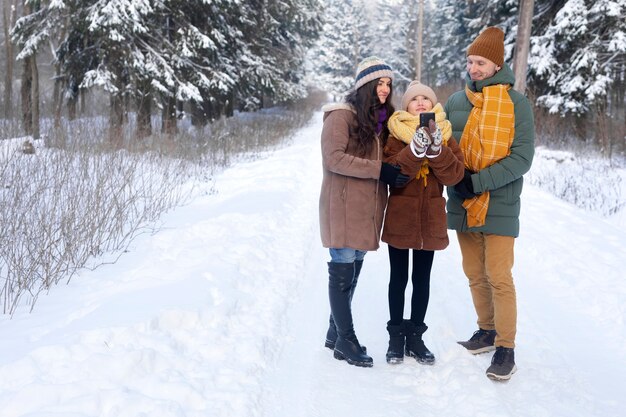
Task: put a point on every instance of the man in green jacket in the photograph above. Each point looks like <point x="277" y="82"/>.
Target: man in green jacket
<point x="495" y="129"/>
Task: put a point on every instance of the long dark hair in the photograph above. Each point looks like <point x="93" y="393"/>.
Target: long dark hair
<point x="367" y="105"/>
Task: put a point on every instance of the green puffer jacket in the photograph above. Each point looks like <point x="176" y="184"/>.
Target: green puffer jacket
<point x="504" y="178"/>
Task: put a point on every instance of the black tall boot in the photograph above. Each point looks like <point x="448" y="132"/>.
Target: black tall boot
<point x="415" y="345"/>
<point x="395" y="352"/>
<point x="331" y="334"/>
<point x="347" y="346"/>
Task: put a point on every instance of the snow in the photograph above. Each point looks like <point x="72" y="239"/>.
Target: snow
<point x="223" y="312"/>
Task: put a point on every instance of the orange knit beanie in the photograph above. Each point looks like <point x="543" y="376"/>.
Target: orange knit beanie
<point x="489" y="44"/>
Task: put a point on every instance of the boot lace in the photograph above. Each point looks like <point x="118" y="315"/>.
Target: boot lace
<point x="500" y="356"/>
<point x="478" y="334"/>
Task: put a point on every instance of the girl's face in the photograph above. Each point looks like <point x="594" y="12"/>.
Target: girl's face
<point x="419" y="104"/>
<point x="383" y="89"/>
<point x="480" y="68"/>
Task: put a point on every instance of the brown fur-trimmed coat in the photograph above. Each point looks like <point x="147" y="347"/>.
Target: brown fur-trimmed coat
<point x="352" y="199"/>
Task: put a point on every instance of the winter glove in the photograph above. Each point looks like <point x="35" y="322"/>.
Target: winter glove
<point x="465" y="188"/>
<point x="390" y="174"/>
<point x="420" y="142"/>
<point x="437" y="138"/>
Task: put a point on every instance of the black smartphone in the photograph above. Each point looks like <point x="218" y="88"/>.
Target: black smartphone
<point x="425" y="118"/>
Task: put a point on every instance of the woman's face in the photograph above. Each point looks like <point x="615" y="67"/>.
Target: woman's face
<point x="480" y="68"/>
<point x="419" y="104"/>
<point x="383" y="89"/>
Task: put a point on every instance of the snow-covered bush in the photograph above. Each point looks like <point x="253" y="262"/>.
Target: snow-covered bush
<point x="586" y="181"/>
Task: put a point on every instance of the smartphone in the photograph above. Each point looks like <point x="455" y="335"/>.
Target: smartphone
<point x="425" y="118"/>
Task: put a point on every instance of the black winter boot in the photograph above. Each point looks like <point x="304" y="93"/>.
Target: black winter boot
<point x="415" y="346"/>
<point x="347" y="346"/>
<point x="502" y="364"/>
<point x="331" y="334"/>
<point x="395" y="352"/>
<point x="480" y="342"/>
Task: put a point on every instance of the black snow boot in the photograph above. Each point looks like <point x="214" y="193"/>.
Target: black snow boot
<point x="331" y="334"/>
<point x="347" y="346"/>
<point x="502" y="364"/>
<point x="395" y="352"/>
<point x="415" y="346"/>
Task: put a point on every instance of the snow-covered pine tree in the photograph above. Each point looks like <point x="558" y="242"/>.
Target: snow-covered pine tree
<point x="346" y="39"/>
<point x="29" y="33"/>
<point x="275" y="47"/>
<point x="453" y="24"/>
<point x="578" y="62"/>
<point x="166" y="52"/>
<point x="579" y="54"/>
<point x="396" y="21"/>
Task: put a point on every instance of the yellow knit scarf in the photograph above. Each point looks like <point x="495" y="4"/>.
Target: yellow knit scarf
<point x="402" y="126"/>
<point x="486" y="139"/>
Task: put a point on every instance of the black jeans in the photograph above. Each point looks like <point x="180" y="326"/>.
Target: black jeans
<point x="420" y="278"/>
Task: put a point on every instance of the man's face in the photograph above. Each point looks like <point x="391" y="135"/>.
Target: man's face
<point x="480" y="68"/>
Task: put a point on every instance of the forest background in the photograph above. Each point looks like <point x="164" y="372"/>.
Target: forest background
<point x="182" y="86"/>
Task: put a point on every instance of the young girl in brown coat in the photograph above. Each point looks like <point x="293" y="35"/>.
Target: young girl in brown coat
<point x="416" y="217"/>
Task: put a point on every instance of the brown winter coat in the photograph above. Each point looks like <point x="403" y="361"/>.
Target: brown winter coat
<point x="352" y="200"/>
<point x="416" y="214"/>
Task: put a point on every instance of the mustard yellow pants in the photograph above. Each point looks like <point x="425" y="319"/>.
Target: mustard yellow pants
<point x="487" y="263"/>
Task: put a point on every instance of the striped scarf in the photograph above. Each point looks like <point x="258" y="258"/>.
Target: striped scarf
<point x="486" y="139"/>
<point x="402" y="126"/>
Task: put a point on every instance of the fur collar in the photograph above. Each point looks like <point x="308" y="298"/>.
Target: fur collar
<point x="327" y="108"/>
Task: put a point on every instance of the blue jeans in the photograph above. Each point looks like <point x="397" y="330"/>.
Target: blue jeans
<point x="346" y="255"/>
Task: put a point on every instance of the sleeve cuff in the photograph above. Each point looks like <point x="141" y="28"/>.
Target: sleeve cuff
<point x="415" y="152"/>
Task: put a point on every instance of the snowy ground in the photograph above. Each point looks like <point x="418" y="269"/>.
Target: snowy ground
<point x="223" y="313"/>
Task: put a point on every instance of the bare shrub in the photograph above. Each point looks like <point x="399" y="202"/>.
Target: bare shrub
<point x="62" y="209"/>
<point x="79" y="200"/>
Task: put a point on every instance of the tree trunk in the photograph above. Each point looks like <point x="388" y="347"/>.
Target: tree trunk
<point x="8" y="20"/>
<point x="82" y="94"/>
<point x="229" y="106"/>
<point x="602" y="133"/>
<point x="144" y="110"/>
<point x="419" y="46"/>
<point x="168" y="119"/>
<point x="522" y="43"/>
<point x="25" y="90"/>
<point x="116" y="120"/>
<point x="72" y="104"/>
<point x="35" y="96"/>
<point x="198" y="114"/>
<point x="57" y="98"/>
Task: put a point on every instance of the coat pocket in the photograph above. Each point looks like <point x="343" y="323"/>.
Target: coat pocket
<point x="437" y="217"/>
<point x="401" y="218"/>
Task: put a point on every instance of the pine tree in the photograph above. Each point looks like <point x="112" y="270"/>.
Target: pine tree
<point x="346" y="40"/>
<point x="453" y="24"/>
<point x="167" y="52"/>
<point x="578" y="54"/>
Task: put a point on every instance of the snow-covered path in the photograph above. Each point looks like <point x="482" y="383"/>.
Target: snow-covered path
<point x="224" y="312"/>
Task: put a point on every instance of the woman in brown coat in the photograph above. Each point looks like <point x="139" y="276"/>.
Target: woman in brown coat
<point x="416" y="215"/>
<point x="354" y="195"/>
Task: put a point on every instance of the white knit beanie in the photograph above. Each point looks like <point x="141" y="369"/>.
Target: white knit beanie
<point x="370" y="69"/>
<point x="418" y="89"/>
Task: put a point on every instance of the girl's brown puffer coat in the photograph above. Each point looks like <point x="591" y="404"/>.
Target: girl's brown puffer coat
<point x="416" y="214"/>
